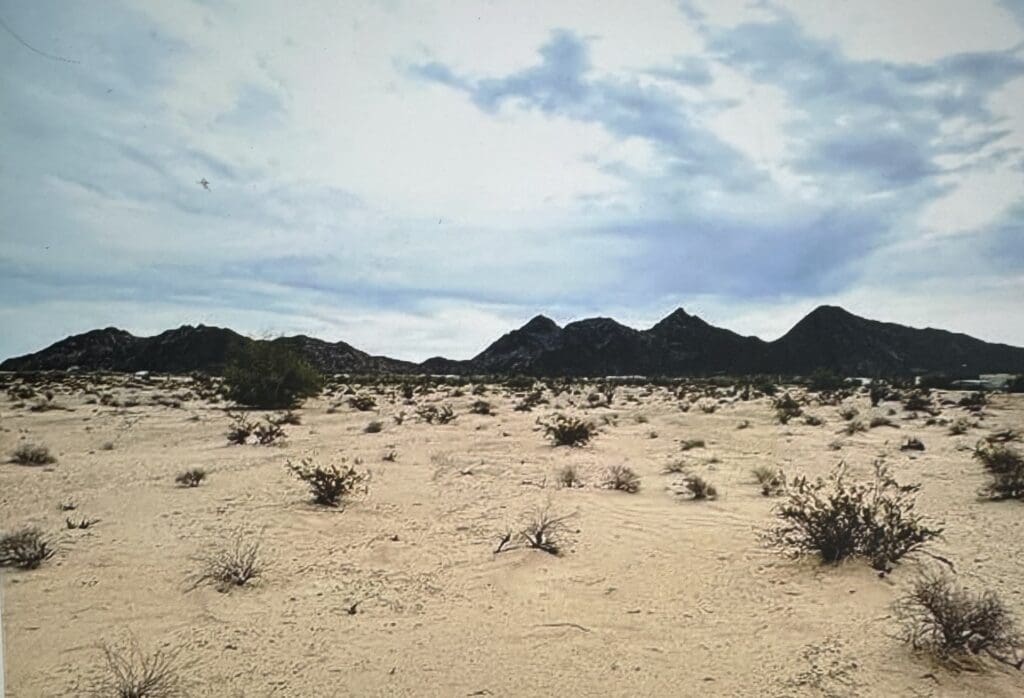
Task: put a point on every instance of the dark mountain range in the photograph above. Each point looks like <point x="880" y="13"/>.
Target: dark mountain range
<point x="680" y="345"/>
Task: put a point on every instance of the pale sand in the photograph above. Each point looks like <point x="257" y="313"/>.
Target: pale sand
<point x="655" y="595"/>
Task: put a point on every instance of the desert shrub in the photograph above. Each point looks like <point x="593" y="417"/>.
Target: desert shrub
<point x="772" y="481"/>
<point x="531" y="400"/>
<point x="234" y="565"/>
<point x="877" y="392"/>
<point x="569" y="431"/>
<point x="690" y="444"/>
<point x="1005" y="467"/>
<point x="268" y="433"/>
<point x="812" y="421"/>
<point x="882" y="422"/>
<point x="912" y="443"/>
<point x="699" y="488"/>
<point x="976" y="399"/>
<point x="836" y="519"/>
<point x="707" y="406"/>
<point x="544" y="531"/>
<point x="848" y="412"/>
<point x="374" y="427"/>
<point x="431" y="414"/>
<point x="82" y="523"/>
<point x="32" y="454"/>
<point x="959" y="426"/>
<point x="569" y="476"/>
<point x="675" y="467"/>
<point x="269" y="375"/>
<point x="952" y="622"/>
<point x="823" y="379"/>
<point x="786" y="408"/>
<point x="481" y="407"/>
<point x="25" y="549"/>
<point x="329" y="484"/>
<point x="191" y="477"/>
<point x="363" y="403"/>
<point x="917" y="402"/>
<point x="288" y="417"/>
<point x="852" y="427"/>
<point x="621" y="478"/>
<point x="131" y="673"/>
<point x="1003" y="436"/>
<point x="240" y="430"/>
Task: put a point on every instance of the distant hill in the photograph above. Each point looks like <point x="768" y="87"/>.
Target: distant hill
<point x="679" y="345"/>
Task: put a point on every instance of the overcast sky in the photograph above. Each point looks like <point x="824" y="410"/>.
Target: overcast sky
<point x="417" y="178"/>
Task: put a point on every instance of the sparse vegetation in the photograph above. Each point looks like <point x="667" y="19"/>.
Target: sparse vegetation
<point x="690" y="444"/>
<point x="1005" y="466"/>
<point x="191" y="477"/>
<point x="912" y="443"/>
<point x="268" y="433"/>
<point x="569" y="476"/>
<point x="569" y="431"/>
<point x="481" y="407"/>
<point x="836" y="519"/>
<point x="32" y="454"/>
<point x="959" y="426"/>
<point x="952" y="622"/>
<point x="240" y="430"/>
<point x="699" y="488"/>
<point x="131" y="673"/>
<point x="880" y="421"/>
<point x="330" y="485"/>
<point x="771" y="480"/>
<point x="25" y="549"/>
<point x="363" y="403"/>
<point x="374" y="427"/>
<point x="621" y="478"/>
<point x="786" y="408"/>
<point x="234" y="565"/>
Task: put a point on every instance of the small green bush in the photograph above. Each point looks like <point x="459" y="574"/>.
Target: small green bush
<point x="329" y="485"/>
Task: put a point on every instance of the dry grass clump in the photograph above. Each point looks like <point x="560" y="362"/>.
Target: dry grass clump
<point x="234" y="565"/>
<point x="131" y="673"/>
<point x="191" y="477"/>
<point x="952" y="622"/>
<point x="481" y="407"/>
<point x="912" y="444"/>
<point x="329" y="484"/>
<point x="836" y="519"/>
<point x="543" y="530"/>
<point x="959" y="426"/>
<point x="431" y="414"/>
<point x="699" y="488"/>
<point x="621" y="478"/>
<point x="363" y="403"/>
<point x="569" y="476"/>
<point x="771" y="480"/>
<point x="1005" y="466"/>
<point x="25" y="549"/>
<point x="374" y="427"/>
<point x="32" y="454"/>
<point x="848" y="412"/>
<point x="531" y="400"/>
<point x="569" y="431"/>
<point x="690" y="444"/>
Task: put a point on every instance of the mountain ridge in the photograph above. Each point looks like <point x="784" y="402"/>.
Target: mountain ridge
<point x="680" y="344"/>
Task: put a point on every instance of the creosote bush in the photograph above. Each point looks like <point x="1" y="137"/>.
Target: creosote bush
<point x="191" y="477"/>
<point x="836" y="519"/>
<point x="569" y="431"/>
<point x="621" y="478"/>
<point x="1005" y="466"/>
<point x="132" y="673"/>
<point x="269" y="375"/>
<point x="699" y="488"/>
<point x="32" y="454"/>
<point x="329" y="484"/>
<point x="25" y="549"/>
<point x="234" y="565"/>
<point x="952" y="622"/>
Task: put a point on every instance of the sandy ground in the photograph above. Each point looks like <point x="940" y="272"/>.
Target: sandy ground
<point x="655" y="594"/>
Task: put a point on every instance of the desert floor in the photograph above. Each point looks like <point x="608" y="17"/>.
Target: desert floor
<point x="655" y="594"/>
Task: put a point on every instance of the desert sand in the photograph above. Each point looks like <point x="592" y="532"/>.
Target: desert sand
<point x="654" y="594"/>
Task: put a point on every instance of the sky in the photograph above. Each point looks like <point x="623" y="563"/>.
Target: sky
<point x="417" y="178"/>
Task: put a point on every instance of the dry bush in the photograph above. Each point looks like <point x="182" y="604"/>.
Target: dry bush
<point x="32" y="454"/>
<point x="543" y="530"/>
<point x="267" y="434"/>
<point x="690" y="444"/>
<point x="786" y="408"/>
<point x="675" y="467"/>
<point x="813" y="421"/>
<point x="1005" y="467"/>
<point x="481" y="407"/>
<point x="531" y="400"/>
<point x="973" y="400"/>
<point x="234" y="565"/>
<point x="852" y="427"/>
<point x="288" y="417"/>
<point x="707" y="406"/>
<point x="917" y="402"/>
<point x="25" y="549"/>
<point x="772" y="481"/>
<point x="240" y="430"/>
<point x="836" y="519"/>
<point x="431" y="414"/>
<point x="699" y="488"/>
<point x="952" y="622"/>
<point x="1003" y="436"/>
<point x="912" y="444"/>
<point x="621" y="478"/>
<point x="569" y="476"/>
<point x="882" y="422"/>
<point x="191" y="477"/>
<point x="848" y="412"/>
<point x="959" y="426"/>
<point x="374" y="427"/>
<point x="569" y="431"/>
<point x="329" y="484"/>
<point x="82" y="523"/>
<point x="363" y="403"/>
<point x="131" y="673"/>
